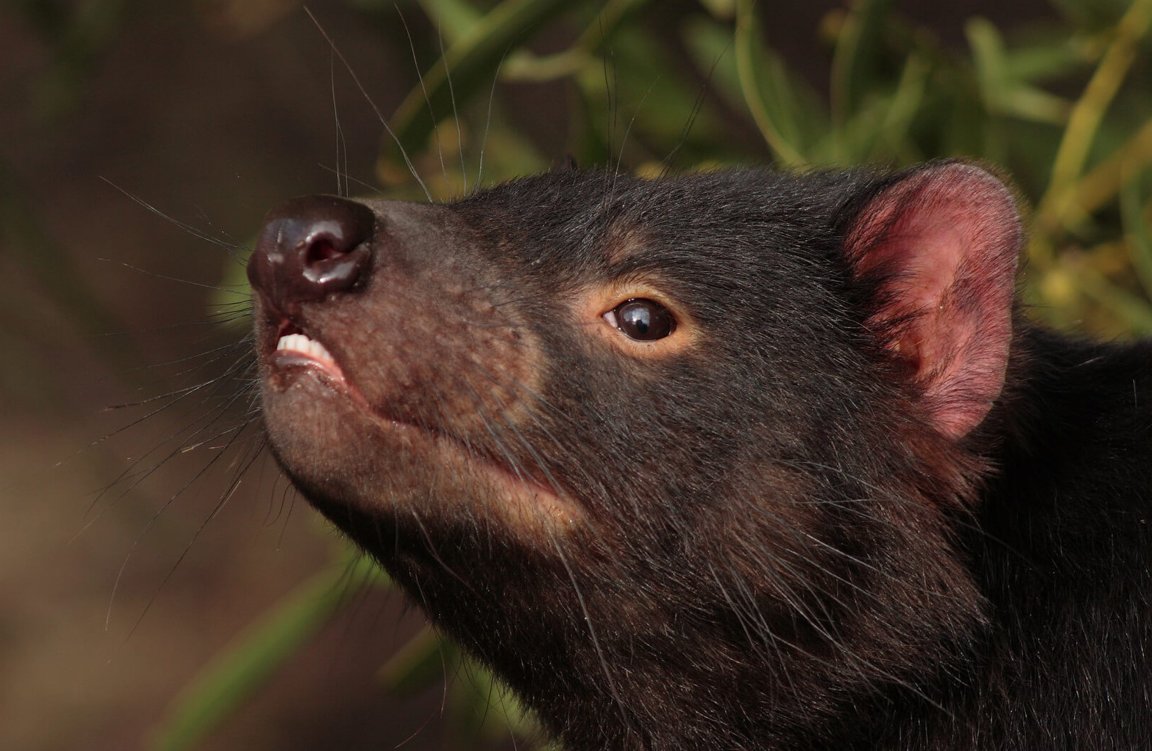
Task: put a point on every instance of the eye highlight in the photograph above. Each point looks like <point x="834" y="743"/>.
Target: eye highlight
<point x="641" y="319"/>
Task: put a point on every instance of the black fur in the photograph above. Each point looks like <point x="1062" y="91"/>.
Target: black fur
<point x="770" y="544"/>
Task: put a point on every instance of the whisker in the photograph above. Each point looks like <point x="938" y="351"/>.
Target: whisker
<point x="242" y="293"/>
<point x="424" y="88"/>
<point x="488" y="121"/>
<point x="188" y="228"/>
<point x="455" y="112"/>
<point x="220" y="504"/>
<point x="341" y="145"/>
<point x="694" y="113"/>
<point x="371" y="103"/>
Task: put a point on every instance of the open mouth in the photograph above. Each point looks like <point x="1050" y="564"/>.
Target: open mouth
<point x="298" y="349"/>
<point x="295" y="349"/>
<point x="301" y="345"/>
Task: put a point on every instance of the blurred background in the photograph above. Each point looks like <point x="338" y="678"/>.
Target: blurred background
<point x="161" y="587"/>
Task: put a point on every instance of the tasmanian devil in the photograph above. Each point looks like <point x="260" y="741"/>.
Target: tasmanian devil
<point x="735" y="460"/>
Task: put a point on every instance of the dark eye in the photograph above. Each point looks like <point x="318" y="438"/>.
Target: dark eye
<point x="642" y="320"/>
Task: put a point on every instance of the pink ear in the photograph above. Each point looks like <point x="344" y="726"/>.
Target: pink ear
<point x="941" y="245"/>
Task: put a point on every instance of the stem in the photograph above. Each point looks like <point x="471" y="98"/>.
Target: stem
<point x="745" y="70"/>
<point x="1084" y="120"/>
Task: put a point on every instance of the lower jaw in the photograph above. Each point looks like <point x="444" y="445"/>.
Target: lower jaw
<point x="337" y="448"/>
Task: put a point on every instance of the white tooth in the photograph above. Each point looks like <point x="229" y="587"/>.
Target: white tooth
<point x="305" y="346"/>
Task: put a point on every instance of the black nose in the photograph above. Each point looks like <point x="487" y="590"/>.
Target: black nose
<point x="310" y="248"/>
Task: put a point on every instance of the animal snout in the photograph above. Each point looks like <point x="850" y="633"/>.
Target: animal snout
<point x="310" y="248"/>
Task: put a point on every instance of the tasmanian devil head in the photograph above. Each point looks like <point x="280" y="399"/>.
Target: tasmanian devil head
<point x="680" y="459"/>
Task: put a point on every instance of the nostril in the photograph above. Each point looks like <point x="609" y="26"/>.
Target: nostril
<point x="312" y="247"/>
<point x="333" y="260"/>
<point x="322" y="248"/>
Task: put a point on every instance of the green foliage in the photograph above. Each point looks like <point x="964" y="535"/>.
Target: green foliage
<point x="242" y="668"/>
<point x="482" y="710"/>
<point x="1058" y="106"/>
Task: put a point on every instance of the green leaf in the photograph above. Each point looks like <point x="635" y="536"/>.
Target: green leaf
<point x="1088" y="113"/>
<point x="480" y="706"/>
<point x="424" y="661"/>
<point x="856" y="63"/>
<point x="988" y="59"/>
<point x="467" y="67"/>
<point x="485" y="708"/>
<point x="452" y="18"/>
<point x="725" y="10"/>
<point x="636" y="110"/>
<point x="1134" y="311"/>
<point x="767" y="89"/>
<point x="1045" y="57"/>
<point x="880" y="131"/>
<point x="237" y="673"/>
<point x="1000" y="89"/>
<point x="525" y="66"/>
<point x="1093" y="14"/>
<point x="1136" y="231"/>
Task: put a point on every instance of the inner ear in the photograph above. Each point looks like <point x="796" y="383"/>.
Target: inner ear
<point x="938" y="248"/>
